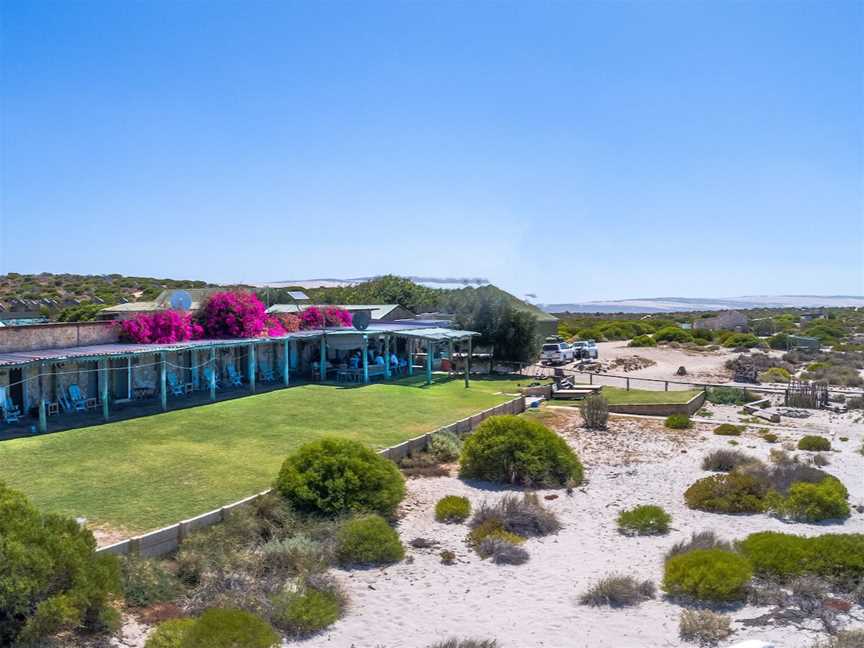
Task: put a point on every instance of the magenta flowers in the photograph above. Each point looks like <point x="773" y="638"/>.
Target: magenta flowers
<point x="163" y="327"/>
<point x="313" y="318"/>
<point x="233" y="315"/>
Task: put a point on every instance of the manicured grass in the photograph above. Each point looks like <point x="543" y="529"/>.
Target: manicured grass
<point x="620" y="396"/>
<point x="145" y="473"/>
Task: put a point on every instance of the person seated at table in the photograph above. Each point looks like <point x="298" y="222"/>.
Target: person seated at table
<point x="355" y="361"/>
<point x="379" y="360"/>
<point x="394" y="361"/>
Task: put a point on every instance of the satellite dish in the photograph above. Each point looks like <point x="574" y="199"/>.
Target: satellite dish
<point x="181" y="300"/>
<point x="360" y="320"/>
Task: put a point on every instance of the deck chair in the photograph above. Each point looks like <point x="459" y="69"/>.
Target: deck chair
<point x="266" y="372"/>
<point x="174" y="384"/>
<point x="11" y="412"/>
<point x="208" y="378"/>
<point x="77" y="398"/>
<point x="234" y="377"/>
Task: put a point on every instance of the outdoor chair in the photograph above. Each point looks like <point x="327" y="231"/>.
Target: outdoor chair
<point x="234" y="377"/>
<point x="77" y="398"/>
<point x="11" y="412"/>
<point x="266" y="372"/>
<point x="177" y="388"/>
<point x="208" y="378"/>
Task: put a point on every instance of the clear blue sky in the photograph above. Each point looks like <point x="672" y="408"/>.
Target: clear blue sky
<point x="574" y="150"/>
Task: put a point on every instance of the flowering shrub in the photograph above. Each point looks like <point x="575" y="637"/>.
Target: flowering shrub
<point x="163" y="327"/>
<point x="288" y="321"/>
<point x="233" y="315"/>
<point x="312" y="317"/>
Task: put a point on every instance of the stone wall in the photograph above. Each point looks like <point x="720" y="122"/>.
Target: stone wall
<point x="56" y="335"/>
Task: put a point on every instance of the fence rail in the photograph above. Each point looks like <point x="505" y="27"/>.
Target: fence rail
<point x="167" y="539"/>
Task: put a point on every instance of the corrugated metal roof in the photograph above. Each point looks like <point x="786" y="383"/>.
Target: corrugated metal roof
<point x="379" y="311"/>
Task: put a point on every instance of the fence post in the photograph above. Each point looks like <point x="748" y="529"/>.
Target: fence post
<point x="666" y="388"/>
<point x="628" y="384"/>
<point x="43" y="418"/>
<point x="590" y="378"/>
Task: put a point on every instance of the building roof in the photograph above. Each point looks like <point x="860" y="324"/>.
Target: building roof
<point x="378" y="311"/>
<point x="131" y="307"/>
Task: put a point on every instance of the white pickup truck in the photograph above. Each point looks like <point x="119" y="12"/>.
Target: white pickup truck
<point x="557" y="353"/>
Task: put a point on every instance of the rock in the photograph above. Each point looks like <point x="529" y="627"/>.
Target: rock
<point x="552" y="496"/>
<point x="682" y="371"/>
<point x="837" y="604"/>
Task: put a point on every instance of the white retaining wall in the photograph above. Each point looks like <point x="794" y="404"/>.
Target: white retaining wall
<point x="167" y="539"/>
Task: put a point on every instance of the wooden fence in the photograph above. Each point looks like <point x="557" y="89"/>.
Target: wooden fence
<point x="167" y="539"/>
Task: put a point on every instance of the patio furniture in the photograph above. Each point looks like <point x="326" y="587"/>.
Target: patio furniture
<point x="52" y="408"/>
<point x="208" y="378"/>
<point x="11" y="412"/>
<point x="177" y="388"/>
<point x="77" y="399"/>
<point x="234" y="377"/>
<point x="266" y="372"/>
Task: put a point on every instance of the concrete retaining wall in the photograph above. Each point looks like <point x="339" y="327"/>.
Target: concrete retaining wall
<point x="57" y="335"/>
<point x="662" y="409"/>
<point x="167" y="539"/>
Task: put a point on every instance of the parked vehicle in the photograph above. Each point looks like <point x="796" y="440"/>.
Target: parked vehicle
<point x="585" y="350"/>
<point x="557" y="353"/>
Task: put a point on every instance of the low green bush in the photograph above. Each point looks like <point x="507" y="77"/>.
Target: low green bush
<point x="524" y="516"/>
<point x="644" y="520"/>
<point x="642" y="341"/>
<point x="308" y="610"/>
<point x="229" y="628"/>
<point x="445" y="446"/>
<point x="741" y="340"/>
<point x="298" y="554"/>
<point x="678" y="422"/>
<point x="783" y="556"/>
<point x="807" y="502"/>
<point x="146" y="581"/>
<point x="492" y="528"/>
<point x="368" y="540"/>
<point x="707" y="575"/>
<point x="729" y="396"/>
<point x="335" y="476"/>
<point x="452" y="508"/>
<point x="170" y="634"/>
<point x="814" y="443"/>
<point x="517" y="450"/>
<point x="730" y="493"/>
<point x="770" y="437"/>
<point x="673" y="334"/>
<point x="775" y="375"/>
<point x="51" y="579"/>
<point x="727" y="429"/>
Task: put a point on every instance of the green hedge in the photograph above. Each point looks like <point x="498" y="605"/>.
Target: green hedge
<point x="230" y="628"/>
<point x="784" y="556"/>
<point x="708" y="575"/>
<point x="368" y="540"/>
<point x="517" y="450"/>
<point x="814" y="443"/>
<point x="644" y="520"/>
<point x="452" y="508"/>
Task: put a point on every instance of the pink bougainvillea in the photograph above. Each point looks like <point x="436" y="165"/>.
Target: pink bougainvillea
<point x="313" y="318"/>
<point x="163" y="327"/>
<point x="233" y="315"/>
<point x="288" y="321"/>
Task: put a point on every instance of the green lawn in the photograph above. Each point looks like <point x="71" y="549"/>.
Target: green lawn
<point x="149" y="472"/>
<point x="620" y="396"/>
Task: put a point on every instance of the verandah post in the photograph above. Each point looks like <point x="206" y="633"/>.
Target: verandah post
<point x="103" y="374"/>
<point x="213" y="373"/>
<point x="286" y="365"/>
<point x="468" y="365"/>
<point x="43" y="417"/>
<point x="322" y="369"/>
<point x="410" y="356"/>
<point x="365" y="354"/>
<point x="428" y="362"/>
<point x="163" y="393"/>
<point x="387" y="357"/>
<point x="250" y="361"/>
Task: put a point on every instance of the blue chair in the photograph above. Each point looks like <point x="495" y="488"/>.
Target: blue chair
<point x="77" y="398"/>
<point x="234" y="377"/>
<point x="11" y="412"/>
<point x="266" y="372"/>
<point x="208" y="378"/>
<point x="174" y="384"/>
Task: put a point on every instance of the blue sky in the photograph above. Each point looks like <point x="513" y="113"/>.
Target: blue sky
<point x="573" y="150"/>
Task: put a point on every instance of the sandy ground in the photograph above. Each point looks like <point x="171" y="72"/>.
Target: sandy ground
<point x="420" y="601"/>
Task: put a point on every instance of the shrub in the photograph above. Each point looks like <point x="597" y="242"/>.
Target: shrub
<point x="644" y="520"/>
<point x="492" y="528"/>
<point x="517" y="450"/>
<point x="704" y="626"/>
<point x="169" y="634"/>
<point x="163" y="327"/>
<point x="307" y="610"/>
<point x="297" y="554"/>
<point x="814" y="443"/>
<point x="727" y="429"/>
<point x="524" y="516"/>
<point x="807" y="502"/>
<point x="725" y="460"/>
<point x="729" y="396"/>
<point x="843" y="639"/>
<point x="502" y="552"/>
<point x="50" y="576"/>
<point x="618" y="591"/>
<point x="368" y="540"/>
<point x="452" y="508"/>
<point x="642" y="341"/>
<point x="146" y="581"/>
<point x="335" y="476"/>
<point x="229" y="628"/>
<point x="448" y="557"/>
<point x="775" y="375"/>
<point x="445" y="446"/>
<point x="700" y="540"/>
<point x="672" y="334"/>
<point x="678" y="422"/>
<point x="730" y="493"/>
<point x="466" y="643"/>
<point x="595" y="412"/>
<point x="770" y="437"/>
<point x="707" y="574"/>
<point x="231" y="314"/>
<point x="783" y="556"/>
<point x="741" y="340"/>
